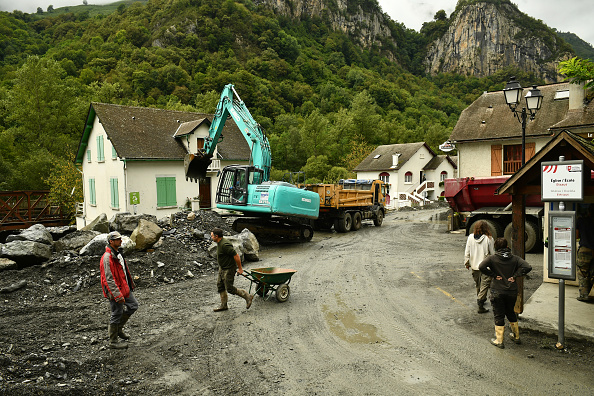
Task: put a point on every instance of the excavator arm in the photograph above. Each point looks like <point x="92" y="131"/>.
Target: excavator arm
<point x="231" y="104"/>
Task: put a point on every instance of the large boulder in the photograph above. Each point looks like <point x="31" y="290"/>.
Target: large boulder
<point x="61" y="232"/>
<point x="75" y="241"/>
<point x="36" y="233"/>
<point x="146" y="234"/>
<point x="96" y="247"/>
<point x="26" y="253"/>
<point x="7" y="264"/>
<point x="100" y="224"/>
<point x="126" y="222"/>
<point x="245" y="244"/>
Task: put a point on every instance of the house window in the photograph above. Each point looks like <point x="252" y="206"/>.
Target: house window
<point x="113" y="188"/>
<point x="114" y="155"/>
<point x="512" y="158"/>
<point x="408" y="177"/>
<point x="166" y="192"/>
<point x="89" y="155"/>
<point x="443" y="176"/>
<point x="92" y="196"/>
<point x="385" y="177"/>
<point x="100" y="154"/>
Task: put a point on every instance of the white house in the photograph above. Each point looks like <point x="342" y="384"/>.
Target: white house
<point x="489" y="138"/>
<point x="411" y="171"/>
<point x="133" y="160"/>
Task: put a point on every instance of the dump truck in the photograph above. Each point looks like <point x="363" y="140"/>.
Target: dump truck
<point x="473" y="199"/>
<point x="347" y="204"/>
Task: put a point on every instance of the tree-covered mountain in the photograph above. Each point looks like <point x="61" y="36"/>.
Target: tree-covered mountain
<point x="582" y="49"/>
<point x="325" y="95"/>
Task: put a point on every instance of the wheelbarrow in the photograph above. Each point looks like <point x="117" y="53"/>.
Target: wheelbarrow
<point x="271" y="279"/>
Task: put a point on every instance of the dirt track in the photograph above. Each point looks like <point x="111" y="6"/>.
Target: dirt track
<point x="378" y="311"/>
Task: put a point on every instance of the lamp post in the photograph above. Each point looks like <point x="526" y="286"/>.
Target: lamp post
<point x="513" y="92"/>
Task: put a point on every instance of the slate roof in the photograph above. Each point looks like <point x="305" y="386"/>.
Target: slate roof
<point x="489" y="117"/>
<point x="578" y="118"/>
<point x="142" y="133"/>
<point x="186" y="128"/>
<point x="438" y="160"/>
<point x="384" y="161"/>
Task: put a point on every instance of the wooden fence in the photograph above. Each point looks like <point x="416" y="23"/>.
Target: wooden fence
<point x="22" y="209"/>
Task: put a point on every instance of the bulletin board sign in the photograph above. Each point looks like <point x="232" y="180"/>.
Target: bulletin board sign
<point x="562" y="245"/>
<point x="562" y="181"/>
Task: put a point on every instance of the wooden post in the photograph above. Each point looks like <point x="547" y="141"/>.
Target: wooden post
<point x="518" y="242"/>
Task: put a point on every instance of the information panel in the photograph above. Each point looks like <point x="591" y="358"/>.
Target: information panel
<point x="562" y="181"/>
<point x="561" y="245"/>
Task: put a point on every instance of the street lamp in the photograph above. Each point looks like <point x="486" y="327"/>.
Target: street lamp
<point x="513" y="92"/>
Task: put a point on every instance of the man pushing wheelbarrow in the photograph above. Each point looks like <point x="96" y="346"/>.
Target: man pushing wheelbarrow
<point x="229" y="265"/>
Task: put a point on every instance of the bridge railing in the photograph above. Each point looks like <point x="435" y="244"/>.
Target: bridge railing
<point x="22" y="209"/>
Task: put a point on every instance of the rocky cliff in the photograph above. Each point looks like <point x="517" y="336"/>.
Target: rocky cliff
<point x="483" y="38"/>
<point x="365" y="25"/>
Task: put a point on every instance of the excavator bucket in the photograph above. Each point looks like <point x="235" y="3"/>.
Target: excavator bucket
<point x="196" y="165"/>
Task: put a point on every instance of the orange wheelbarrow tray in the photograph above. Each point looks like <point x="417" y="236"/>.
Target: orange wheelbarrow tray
<point x="271" y="279"/>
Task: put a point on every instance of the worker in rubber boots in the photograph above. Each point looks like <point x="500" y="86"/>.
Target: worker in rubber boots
<point x="504" y="267"/>
<point x="229" y="265"/>
<point x="117" y="285"/>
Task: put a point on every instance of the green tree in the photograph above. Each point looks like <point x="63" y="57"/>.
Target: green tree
<point x="316" y="169"/>
<point x="65" y="183"/>
<point x="579" y="71"/>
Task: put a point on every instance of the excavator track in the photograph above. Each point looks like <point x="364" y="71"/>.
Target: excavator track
<point x="279" y="229"/>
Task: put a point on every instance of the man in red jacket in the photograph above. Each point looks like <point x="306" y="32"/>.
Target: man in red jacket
<point x="117" y="285"/>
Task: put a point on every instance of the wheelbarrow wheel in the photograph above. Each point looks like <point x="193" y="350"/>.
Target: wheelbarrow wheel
<point x="261" y="290"/>
<point x="283" y="292"/>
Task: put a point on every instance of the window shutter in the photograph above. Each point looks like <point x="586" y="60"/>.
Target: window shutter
<point x="530" y="150"/>
<point x="496" y="160"/>
<point x="161" y="192"/>
<point x="100" y="154"/>
<point x="89" y="155"/>
<point x="114" y="155"/>
<point x="115" y="199"/>
<point x="171" y="196"/>
<point x="92" y="198"/>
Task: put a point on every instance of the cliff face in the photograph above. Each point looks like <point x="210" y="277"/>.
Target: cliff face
<point x="367" y="27"/>
<point x="483" y="39"/>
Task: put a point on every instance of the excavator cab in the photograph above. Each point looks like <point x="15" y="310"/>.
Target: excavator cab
<point x="196" y="165"/>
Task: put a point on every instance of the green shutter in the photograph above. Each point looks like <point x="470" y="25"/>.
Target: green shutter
<point x="171" y="198"/>
<point x="100" y="153"/>
<point x="161" y="192"/>
<point x="89" y="155"/>
<point x="92" y="197"/>
<point x="166" y="195"/>
<point x="114" y="155"/>
<point x="115" y="199"/>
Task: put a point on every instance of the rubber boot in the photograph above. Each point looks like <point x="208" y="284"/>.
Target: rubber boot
<point x="248" y="298"/>
<point x="515" y="334"/>
<point x="113" y="337"/>
<point x="223" y="306"/>
<point x="123" y="321"/>
<point x="498" y="340"/>
<point x="481" y="306"/>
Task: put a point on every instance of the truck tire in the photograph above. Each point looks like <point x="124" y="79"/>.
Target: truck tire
<point x="379" y="219"/>
<point x="495" y="228"/>
<point x="344" y="223"/>
<point x="356" y="221"/>
<point x="530" y="236"/>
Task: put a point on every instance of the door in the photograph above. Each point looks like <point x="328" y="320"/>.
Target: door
<point x="204" y="193"/>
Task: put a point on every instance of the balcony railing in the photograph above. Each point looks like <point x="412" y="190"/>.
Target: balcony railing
<point x="22" y="209"/>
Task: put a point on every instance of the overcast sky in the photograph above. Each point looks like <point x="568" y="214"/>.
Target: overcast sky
<point x="566" y="16"/>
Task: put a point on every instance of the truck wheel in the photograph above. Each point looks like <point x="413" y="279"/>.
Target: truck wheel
<point x="494" y="228"/>
<point x="344" y="223"/>
<point x="530" y="236"/>
<point x="356" y="221"/>
<point x="379" y="219"/>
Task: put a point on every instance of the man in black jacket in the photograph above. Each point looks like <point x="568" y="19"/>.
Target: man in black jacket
<point x="504" y="268"/>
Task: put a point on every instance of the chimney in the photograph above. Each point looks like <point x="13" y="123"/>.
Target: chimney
<point x="577" y="95"/>
<point x="395" y="160"/>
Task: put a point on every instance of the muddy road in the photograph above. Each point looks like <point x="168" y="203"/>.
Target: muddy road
<point x="380" y="311"/>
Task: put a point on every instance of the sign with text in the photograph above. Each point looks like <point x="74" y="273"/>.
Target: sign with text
<point x="562" y="181"/>
<point x="562" y="245"/>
